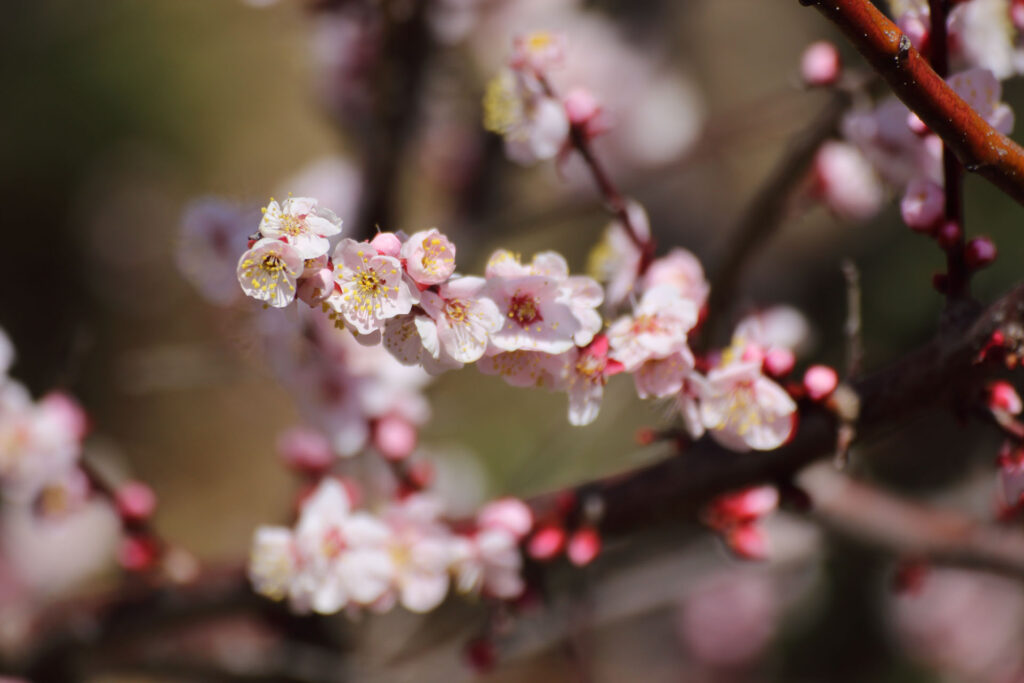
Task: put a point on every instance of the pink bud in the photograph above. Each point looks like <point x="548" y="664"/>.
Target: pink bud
<point x="916" y="125"/>
<point x="743" y="506"/>
<point x="779" y="362"/>
<point x="584" y="546"/>
<point x="820" y="64"/>
<point x="394" y="437"/>
<point x="1017" y="14"/>
<point x="1002" y="396"/>
<point x="922" y="205"/>
<point x="386" y="244"/>
<point x="752" y="353"/>
<point x="747" y="541"/>
<point x="510" y="514"/>
<point x="305" y="450"/>
<point x="547" y="543"/>
<point x="980" y="252"/>
<point x="137" y="553"/>
<point x="820" y="381"/>
<point x="949" y="234"/>
<point x="581" y="106"/>
<point x="135" y="501"/>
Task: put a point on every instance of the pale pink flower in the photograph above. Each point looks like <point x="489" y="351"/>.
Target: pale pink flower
<point x="538" y="51"/>
<point x="268" y="272"/>
<point x="490" y="562"/>
<point x="982" y="91"/>
<point x="301" y="223"/>
<point x="213" y="231"/>
<point x="584" y="296"/>
<point x="681" y="269"/>
<point x="422" y="551"/>
<point x="372" y="288"/>
<point x="413" y="340"/>
<point x="744" y="410"/>
<point x="776" y="327"/>
<point x="510" y="514"/>
<point x="656" y="329"/>
<point x="305" y="449"/>
<point x="343" y="555"/>
<point x="615" y="260"/>
<point x="504" y="263"/>
<point x="465" y="318"/>
<point x="273" y="562"/>
<point x="664" y="377"/>
<point x="583" y="373"/>
<point x="923" y="204"/>
<point x="534" y="124"/>
<point x="536" y="317"/>
<point x="688" y="404"/>
<point x="849" y="185"/>
<point x="897" y="153"/>
<point x="429" y="257"/>
<point x="983" y="36"/>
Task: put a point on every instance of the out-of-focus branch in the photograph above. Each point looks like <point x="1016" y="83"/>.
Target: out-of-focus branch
<point x="979" y="147"/>
<point x="909" y="528"/>
<point x="767" y="210"/>
<point x="397" y="84"/>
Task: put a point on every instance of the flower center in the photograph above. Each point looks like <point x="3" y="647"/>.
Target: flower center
<point x="435" y="255"/>
<point x="455" y="311"/>
<point x="590" y="366"/>
<point x="369" y="282"/>
<point x="503" y="108"/>
<point x="333" y="543"/>
<point x="272" y="263"/>
<point x="523" y="309"/>
<point x="292" y="225"/>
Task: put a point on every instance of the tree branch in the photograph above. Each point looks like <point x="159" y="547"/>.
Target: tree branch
<point x="980" y="147"/>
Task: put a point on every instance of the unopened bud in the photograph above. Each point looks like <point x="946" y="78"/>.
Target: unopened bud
<point x="820" y="381"/>
<point x="820" y="64"/>
<point x="135" y="501"/>
<point x="584" y="546"/>
<point x="547" y="543"/>
<point x="980" y="252"/>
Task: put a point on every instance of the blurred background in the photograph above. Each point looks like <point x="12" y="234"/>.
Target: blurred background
<point x="117" y="114"/>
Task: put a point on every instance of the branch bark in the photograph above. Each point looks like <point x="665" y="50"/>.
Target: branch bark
<point x="978" y="146"/>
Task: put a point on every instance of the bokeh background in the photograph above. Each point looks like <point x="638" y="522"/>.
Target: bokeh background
<point x="117" y="113"/>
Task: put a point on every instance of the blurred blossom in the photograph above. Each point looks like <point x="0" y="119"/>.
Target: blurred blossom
<point x="726" y="621"/>
<point x="968" y="625"/>
<point x="333" y="180"/>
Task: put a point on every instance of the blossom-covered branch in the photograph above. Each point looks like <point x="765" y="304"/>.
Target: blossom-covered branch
<point x="979" y="146"/>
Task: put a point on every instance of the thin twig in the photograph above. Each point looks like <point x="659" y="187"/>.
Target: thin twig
<point x="852" y="329"/>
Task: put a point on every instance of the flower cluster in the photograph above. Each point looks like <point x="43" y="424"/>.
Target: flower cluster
<point x="339" y="558"/>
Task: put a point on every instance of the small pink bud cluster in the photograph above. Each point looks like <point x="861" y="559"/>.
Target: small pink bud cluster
<point x="734" y="516"/>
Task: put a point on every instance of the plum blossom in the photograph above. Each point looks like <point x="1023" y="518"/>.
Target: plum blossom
<point x="743" y="410"/>
<point x="982" y="91"/>
<point x="524" y="368"/>
<point x="335" y="556"/>
<point x="465" y="319"/>
<point x="489" y="562"/>
<point x="584" y="373"/>
<point x="656" y="329"/>
<point x="269" y="270"/>
<point x="414" y="341"/>
<point x="213" y="231"/>
<point x="370" y="287"/>
<point x="848" y="184"/>
<point x="421" y="550"/>
<point x="615" y="260"/>
<point x="681" y="269"/>
<point x="533" y="123"/>
<point x="429" y="257"/>
<point x="301" y="223"/>
<point x="535" y="315"/>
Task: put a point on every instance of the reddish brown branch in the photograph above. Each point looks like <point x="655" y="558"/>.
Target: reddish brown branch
<point x="979" y="147"/>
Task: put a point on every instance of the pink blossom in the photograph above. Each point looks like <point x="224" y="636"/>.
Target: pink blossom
<point x="394" y="437"/>
<point x="465" y="318"/>
<point x="657" y="328"/>
<point x="370" y="287"/>
<point x="1003" y="397"/>
<point x="510" y="514"/>
<point x="662" y="377"/>
<point x="429" y="257"/>
<point x="615" y="260"/>
<point x="535" y="314"/>
<point x="413" y="340"/>
<point x="387" y="244"/>
<point x="681" y="269"/>
<point x="421" y="550"/>
<point x="775" y="327"/>
<point x="524" y="368"/>
<point x="744" y="410"/>
<point x="305" y="449"/>
<point x="489" y="562"/>
<point x="534" y="124"/>
<point x="538" y="51"/>
<point x="982" y="91"/>
<point x="923" y="205"/>
<point x="301" y="223"/>
<point x="212" y="233"/>
<point x="583" y="372"/>
<point x="849" y="185"/>
<point x="268" y="271"/>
